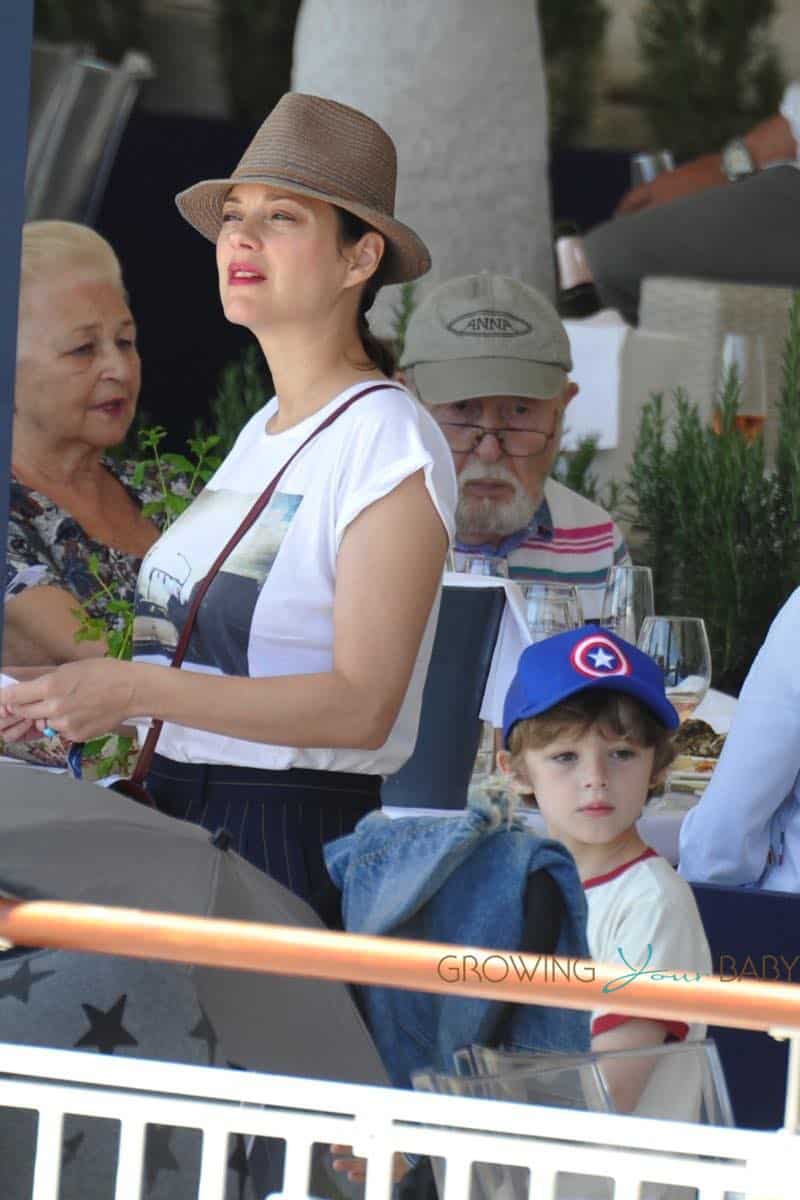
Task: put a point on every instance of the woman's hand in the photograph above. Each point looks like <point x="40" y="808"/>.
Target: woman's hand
<point x="78" y="700"/>
<point x="16" y="729"/>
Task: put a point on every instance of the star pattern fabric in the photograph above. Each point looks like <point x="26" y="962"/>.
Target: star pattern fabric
<point x="238" y="1163"/>
<point x="20" y="984"/>
<point x="159" y="1156"/>
<point x="106" y="1030"/>
<point x="204" y="1031"/>
<point x="80" y="843"/>
<point x="71" y="1147"/>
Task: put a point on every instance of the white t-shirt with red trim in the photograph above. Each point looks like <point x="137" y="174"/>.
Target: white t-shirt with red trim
<point x="643" y="917"/>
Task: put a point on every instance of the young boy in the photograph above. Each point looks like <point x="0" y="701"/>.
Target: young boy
<point x="586" y="731"/>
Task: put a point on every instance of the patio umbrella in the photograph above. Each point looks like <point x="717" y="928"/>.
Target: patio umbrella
<point x="78" y="842"/>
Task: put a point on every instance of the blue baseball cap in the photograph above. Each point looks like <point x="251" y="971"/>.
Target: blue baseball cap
<point x="581" y="660"/>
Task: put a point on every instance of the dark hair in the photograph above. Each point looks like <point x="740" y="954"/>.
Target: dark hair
<point x="379" y="352"/>
<point x="615" y="713"/>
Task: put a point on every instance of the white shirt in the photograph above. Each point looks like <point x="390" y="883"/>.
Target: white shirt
<point x="746" y="827"/>
<point x="643" y="916"/>
<point x="269" y="611"/>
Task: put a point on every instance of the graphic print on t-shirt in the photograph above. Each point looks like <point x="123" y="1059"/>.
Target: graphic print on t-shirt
<point x="179" y="561"/>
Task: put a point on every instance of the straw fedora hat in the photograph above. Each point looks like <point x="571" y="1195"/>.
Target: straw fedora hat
<point x="326" y="150"/>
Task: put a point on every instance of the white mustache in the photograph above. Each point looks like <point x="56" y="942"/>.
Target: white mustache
<point x="497" y="472"/>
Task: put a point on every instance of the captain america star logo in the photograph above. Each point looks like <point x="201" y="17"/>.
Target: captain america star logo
<point x="597" y="657"/>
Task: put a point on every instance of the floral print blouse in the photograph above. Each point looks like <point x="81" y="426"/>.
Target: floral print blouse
<point x="46" y="545"/>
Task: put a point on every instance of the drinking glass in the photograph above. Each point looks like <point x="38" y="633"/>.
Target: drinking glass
<point x="745" y="355"/>
<point x="645" y="166"/>
<point x="481" y="564"/>
<point x="551" y="608"/>
<point x="680" y="647"/>
<point x="627" y="600"/>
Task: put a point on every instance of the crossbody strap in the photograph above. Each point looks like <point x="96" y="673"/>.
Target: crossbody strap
<point x="148" y="749"/>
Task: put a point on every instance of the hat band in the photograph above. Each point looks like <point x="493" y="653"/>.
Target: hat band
<point x="298" y="179"/>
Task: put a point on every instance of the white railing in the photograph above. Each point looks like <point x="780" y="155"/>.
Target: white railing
<point x="377" y="1122"/>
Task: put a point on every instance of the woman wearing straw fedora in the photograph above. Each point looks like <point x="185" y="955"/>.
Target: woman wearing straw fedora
<point x="299" y="592"/>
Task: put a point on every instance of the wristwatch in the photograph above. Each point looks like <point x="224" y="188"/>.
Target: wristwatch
<point x="736" y="160"/>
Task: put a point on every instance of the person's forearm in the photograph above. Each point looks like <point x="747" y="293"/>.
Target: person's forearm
<point x="324" y="709"/>
<point x="41" y="629"/>
<point x="771" y="141"/>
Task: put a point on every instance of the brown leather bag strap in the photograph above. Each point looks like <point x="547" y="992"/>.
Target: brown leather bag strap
<point x="149" y="747"/>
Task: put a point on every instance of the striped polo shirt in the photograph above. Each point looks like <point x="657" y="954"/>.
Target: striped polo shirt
<point x="570" y="540"/>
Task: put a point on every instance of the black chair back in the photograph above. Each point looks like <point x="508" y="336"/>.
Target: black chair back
<point x="753" y="935"/>
<point x="437" y="774"/>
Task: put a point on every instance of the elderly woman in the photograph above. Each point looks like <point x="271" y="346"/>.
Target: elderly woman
<point x="75" y="522"/>
<point x="302" y="683"/>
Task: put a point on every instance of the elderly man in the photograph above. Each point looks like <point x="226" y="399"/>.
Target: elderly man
<point x="490" y="358"/>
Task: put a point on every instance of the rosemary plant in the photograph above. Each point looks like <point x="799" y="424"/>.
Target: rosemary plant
<point x="720" y="531"/>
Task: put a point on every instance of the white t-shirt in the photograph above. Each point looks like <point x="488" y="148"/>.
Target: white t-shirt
<point x="270" y="609"/>
<point x="645" y="904"/>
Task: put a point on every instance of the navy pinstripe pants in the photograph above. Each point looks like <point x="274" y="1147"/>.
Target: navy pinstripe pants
<point x="277" y="820"/>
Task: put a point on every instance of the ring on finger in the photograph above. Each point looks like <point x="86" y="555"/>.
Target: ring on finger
<point x="49" y="731"/>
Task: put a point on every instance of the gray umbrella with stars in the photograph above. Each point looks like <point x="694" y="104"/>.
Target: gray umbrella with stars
<point x="77" y="842"/>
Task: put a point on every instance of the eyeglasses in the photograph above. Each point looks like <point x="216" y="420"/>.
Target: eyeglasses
<point x="515" y="442"/>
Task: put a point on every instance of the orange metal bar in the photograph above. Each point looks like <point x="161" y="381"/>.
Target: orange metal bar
<point x="421" y="966"/>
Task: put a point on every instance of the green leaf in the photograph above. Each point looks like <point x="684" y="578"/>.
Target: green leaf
<point x="176" y="504"/>
<point x="179" y="461"/>
<point x="94" y="747"/>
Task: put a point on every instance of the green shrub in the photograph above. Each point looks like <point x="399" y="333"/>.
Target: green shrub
<point x="244" y="388"/>
<point x="255" y="41"/>
<point x="720" y="532"/>
<point x="572" y="42"/>
<point x="710" y="72"/>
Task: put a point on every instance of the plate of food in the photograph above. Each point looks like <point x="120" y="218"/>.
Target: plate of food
<point x="698" y="748"/>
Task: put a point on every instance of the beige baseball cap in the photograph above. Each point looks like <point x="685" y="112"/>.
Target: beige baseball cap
<point x="486" y="335"/>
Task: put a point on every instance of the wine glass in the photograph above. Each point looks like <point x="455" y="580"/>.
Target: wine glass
<point x="481" y="564"/>
<point x="645" y="166"/>
<point x="627" y="600"/>
<point x="551" y="608"/>
<point x="745" y="355"/>
<point x="680" y="647"/>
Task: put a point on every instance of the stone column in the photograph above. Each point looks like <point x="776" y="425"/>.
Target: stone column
<point x="459" y="84"/>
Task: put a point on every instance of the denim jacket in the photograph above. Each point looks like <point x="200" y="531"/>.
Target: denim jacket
<point x="458" y="879"/>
